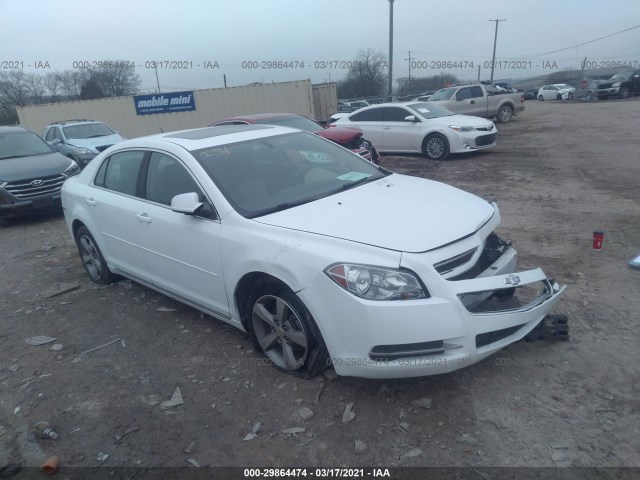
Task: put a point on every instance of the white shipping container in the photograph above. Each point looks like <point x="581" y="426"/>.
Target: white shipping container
<point x="211" y="104"/>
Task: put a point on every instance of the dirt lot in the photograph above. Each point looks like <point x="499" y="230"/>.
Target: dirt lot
<point x="560" y="171"/>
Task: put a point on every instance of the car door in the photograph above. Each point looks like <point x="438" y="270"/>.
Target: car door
<point x="182" y="252"/>
<point x="114" y="205"/>
<point x="398" y="134"/>
<point x="370" y="122"/>
<point x="464" y="103"/>
<point x="635" y="82"/>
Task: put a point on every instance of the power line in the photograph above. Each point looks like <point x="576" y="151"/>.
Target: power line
<point x="585" y="43"/>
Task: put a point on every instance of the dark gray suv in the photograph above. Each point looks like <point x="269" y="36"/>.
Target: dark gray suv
<point x="31" y="172"/>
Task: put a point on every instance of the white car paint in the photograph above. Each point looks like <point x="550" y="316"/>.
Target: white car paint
<point x="408" y="136"/>
<point x="551" y="92"/>
<point x="395" y="222"/>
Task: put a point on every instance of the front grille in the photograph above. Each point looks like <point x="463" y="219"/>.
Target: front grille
<point x="102" y="148"/>
<point x="486" y="140"/>
<point x="508" y="299"/>
<point x="454" y="262"/>
<point x="390" y="353"/>
<point x="485" y="129"/>
<point x="24" y="189"/>
<point x="494" y="248"/>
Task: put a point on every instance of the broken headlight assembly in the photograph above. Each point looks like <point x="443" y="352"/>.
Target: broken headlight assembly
<point x="377" y="283"/>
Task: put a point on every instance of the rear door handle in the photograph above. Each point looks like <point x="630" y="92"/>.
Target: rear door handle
<point x="91" y="202"/>
<point x="387" y="128"/>
<point x="143" y="217"/>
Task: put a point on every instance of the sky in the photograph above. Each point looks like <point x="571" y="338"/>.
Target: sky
<point x="195" y="43"/>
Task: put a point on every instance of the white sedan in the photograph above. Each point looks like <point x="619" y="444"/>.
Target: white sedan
<point x="557" y="91"/>
<point x="321" y="256"/>
<point x="419" y="127"/>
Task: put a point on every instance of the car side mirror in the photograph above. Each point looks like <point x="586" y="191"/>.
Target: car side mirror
<point x="187" y="203"/>
<point x="54" y="142"/>
<point x="410" y="118"/>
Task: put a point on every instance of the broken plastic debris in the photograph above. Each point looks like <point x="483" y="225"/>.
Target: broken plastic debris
<point x="635" y="262"/>
<point x="348" y="414"/>
<point x="293" y="430"/>
<point x="51" y="465"/>
<point x="176" y="400"/>
<point x="56" y="347"/>
<point x="192" y="462"/>
<point x="60" y="289"/>
<point x="102" y="457"/>
<point x="249" y="436"/>
<point x="40" y="340"/>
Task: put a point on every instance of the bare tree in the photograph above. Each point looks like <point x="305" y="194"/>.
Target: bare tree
<point x="367" y="76"/>
<point x="435" y="82"/>
<point x="15" y="90"/>
<point x="71" y="82"/>
<point x="53" y="85"/>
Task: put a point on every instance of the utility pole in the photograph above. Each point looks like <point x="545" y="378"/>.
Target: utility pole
<point x="478" y="73"/>
<point x="495" y="41"/>
<point x="157" y="79"/>
<point x="409" y="84"/>
<point x="390" y="49"/>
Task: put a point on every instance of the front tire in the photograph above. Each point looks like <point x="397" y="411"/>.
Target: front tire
<point x="284" y="331"/>
<point x="541" y="98"/>
<point x="624" y="92"/>
<point x="92" y="259"/>
<point x="435" y="147"/>
<point x="505" y="114"/>
<point x="570" y="96"/>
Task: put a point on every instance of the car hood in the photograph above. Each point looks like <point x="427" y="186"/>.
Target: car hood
<point x="341" y="135"/>
<point x="96" y="141"/>
<point x="461" y="120"/>
<point x="398" y="212"/>
<point x="36" y="166"/>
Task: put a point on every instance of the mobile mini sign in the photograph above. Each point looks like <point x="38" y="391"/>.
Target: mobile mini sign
<point x="164" y="103"/>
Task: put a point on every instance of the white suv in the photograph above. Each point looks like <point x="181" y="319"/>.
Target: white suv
<point x="80" y="140"/>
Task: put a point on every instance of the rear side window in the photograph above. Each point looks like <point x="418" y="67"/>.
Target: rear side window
<point x="120" y="172"/>
<point x="395" y="114"/>
<point x="476" y="92"/>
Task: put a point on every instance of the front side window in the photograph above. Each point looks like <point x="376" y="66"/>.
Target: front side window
<point x="166" y="178"/>
<point x="120" y="172"/>
<point x="463" y="94"/>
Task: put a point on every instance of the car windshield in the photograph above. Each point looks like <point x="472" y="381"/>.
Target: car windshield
<point x="622" y="76"/>
<point x="563" y="85"/>
<point x="87" y="130"/>
<point x="294" y="121"/>
<point x="267" y="175"/>
<point x="22" y="144"/>
<point x="430" y="110"/>
<point x="444" y="94"/>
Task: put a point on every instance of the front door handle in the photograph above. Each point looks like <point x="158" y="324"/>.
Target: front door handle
<point x="143" y="217"/>
<point x="91" y="202"/>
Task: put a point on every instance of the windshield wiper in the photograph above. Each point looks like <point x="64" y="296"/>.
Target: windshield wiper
<point x="282" y="206"/>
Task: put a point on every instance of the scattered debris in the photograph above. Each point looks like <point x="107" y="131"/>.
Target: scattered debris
<point x="13" y="368"/>
<point x="192" y="462"/>
<point x="102" y="457"/>
<point x="256" y="428"/>
<point x="189" y="449"/>
<point x="44" y="430"/>
<point x="125" y="433"/>
<point x="56" y="347"/>
<point x="176" y="399"/>
<point x="40" y="340"/>
<point x="16" y="410"/>
<point x="316" y="398"/>
<point x="359" y="446"/>
<point x="467" y="438"/>
<point x="61" y="288"/>
<point x="293" y="430"/>
<point x="305" y="413"/>
<point x="348" y="414"/>
<point x="124" y="345"/>
<point x="249" y="436"/>
<point x="50" y="466"/>
<point x="165" y="309"/>
<point x="101" y="346"/>
<point x="422" y="403"/>
<point x="414" y="452"/>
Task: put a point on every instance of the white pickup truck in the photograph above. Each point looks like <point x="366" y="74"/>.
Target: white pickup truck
<point x="481" y="101"/>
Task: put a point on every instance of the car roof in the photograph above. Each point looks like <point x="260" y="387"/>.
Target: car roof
<point x="256" y="117"/>
<point x="195" y="139"/>
<point x="13" y="129"/>
<point x="78" y="121"/>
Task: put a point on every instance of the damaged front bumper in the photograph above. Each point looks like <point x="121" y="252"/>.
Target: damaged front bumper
<point x="463" y="321"/>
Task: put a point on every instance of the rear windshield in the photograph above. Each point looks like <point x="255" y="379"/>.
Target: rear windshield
<point x="444" y="94"/>
<point x="299" y="122"/>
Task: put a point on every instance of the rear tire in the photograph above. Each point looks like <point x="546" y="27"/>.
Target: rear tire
<point x="283" y="330"/>
<point x="92" y="259"/>
<point x="435" y="147"/>
<point x="505" y="114"/>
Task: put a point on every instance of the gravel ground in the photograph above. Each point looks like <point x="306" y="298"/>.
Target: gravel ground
<point x="560" y="171"/>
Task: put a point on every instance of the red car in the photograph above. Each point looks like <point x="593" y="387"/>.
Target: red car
<point x="348" y="137"/>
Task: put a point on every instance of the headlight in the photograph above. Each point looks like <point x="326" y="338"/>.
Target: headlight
<point x="72" y="169"/>
<point x="458" y="128"/>
<point x="377" y="283"/>
<point x="617" y="84"/>
<point x="83" y="151"/>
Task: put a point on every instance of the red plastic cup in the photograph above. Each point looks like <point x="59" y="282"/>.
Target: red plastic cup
<point x="598" y="239"/>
